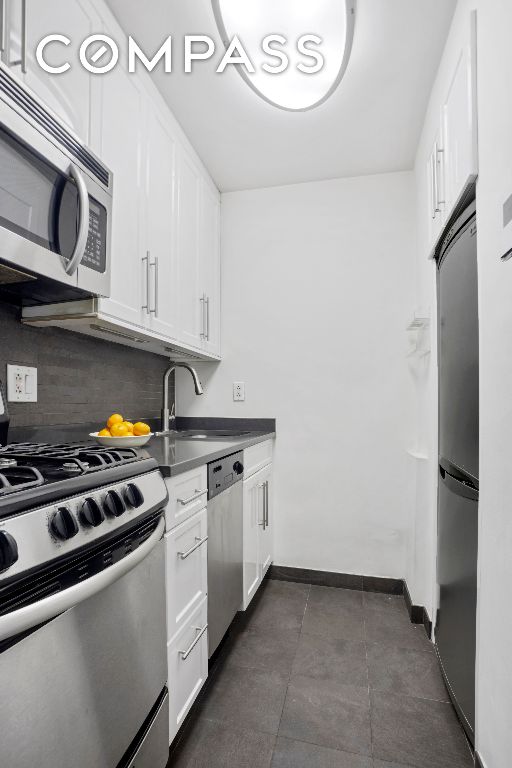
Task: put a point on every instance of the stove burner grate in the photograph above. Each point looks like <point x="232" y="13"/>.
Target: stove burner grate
<point x="16" y="478"/>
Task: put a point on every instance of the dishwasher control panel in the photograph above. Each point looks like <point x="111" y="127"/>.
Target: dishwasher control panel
<point x="224" y="473"/>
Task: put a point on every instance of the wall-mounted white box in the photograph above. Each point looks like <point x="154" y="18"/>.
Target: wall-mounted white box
<point x="21" y="384"/>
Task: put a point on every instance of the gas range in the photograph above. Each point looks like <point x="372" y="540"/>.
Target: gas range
<point x="57" y="499"/>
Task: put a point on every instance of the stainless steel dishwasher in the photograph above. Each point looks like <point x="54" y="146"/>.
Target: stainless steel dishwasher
<point x="225" y="545"/>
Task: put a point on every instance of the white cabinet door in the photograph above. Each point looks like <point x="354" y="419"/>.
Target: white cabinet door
<point x="190" y="294"/>
<point x="210" y="266"/>
<point x="460" y="123"/>
<point x="266" y="531"/>
<point x="187" y="663"/>
<point x="122" y="118"/>
<point x="436" y="190"/>
<point x="252" y="519"/>
<point x="161" y="277"/>
<point x="67" y="94"/>
<point x="186" y="570"/>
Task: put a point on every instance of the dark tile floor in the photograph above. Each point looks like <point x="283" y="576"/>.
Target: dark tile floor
<point x="320" y="677"/>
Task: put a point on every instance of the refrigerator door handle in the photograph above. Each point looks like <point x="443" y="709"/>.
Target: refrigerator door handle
<point x="458" y="486"/>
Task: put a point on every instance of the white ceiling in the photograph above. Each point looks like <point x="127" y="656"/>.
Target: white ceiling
<point x="370" y="125"/>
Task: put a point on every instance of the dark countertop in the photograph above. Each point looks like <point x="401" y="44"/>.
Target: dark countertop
<point x="179" y="454"/>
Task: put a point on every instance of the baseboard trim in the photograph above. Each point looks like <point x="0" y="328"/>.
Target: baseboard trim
<point x="340" y="580"/>
<point x="418" y="614"/>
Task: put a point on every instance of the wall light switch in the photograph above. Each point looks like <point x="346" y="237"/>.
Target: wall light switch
<point x="238" y="391"/>
<point x="21" y="384"/>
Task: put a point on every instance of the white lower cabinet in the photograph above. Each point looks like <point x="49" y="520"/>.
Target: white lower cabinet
<point x="187" y="660"/>
<point x="186" y="573"/>
<point x="186" y="570"/>
<point x="258" y="521"/>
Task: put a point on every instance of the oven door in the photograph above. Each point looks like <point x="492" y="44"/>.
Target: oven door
<point x="80" y="689"/>
<point x="54" y="217"/>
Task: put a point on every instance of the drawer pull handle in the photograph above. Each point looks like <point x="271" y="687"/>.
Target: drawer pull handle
<point x="199" y="543"/>
<point x="195" y="496"/>
<point x="185" y="654"/>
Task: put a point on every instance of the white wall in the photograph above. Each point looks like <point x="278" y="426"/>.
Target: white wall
<point x="494" y="664"/>
<point x="316" y="291"/>
<point x="494" y="659"/>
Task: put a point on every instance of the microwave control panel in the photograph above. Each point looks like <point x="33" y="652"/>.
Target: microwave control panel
<point x="95" y="255"/>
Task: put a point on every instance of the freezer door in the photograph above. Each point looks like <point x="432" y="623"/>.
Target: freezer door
<point x="455" y="633"/>
<point x="458" y="352"/>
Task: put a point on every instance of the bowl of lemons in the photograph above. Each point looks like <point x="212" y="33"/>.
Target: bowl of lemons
<point x="123" y="434"/>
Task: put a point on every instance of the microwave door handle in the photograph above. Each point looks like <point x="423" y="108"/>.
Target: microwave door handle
<point x="83" y="222"/>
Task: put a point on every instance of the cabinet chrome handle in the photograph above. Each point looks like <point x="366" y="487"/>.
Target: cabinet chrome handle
<point x="438" y="154"/>
<point x="146" y="259"/>
<point x="433" y="212"/>
<point x="3" y="23"/>
<point x="264" y="523"/>
<point x="185" y="654"/>
<point x="199" y="543"/>
<point x="23" y="61"/>
<point x="83" y="222"/>
<point x="155" y="265"/>
<point x="266" y="504"/>
<point x="203" y="316"/>
<point x="207" y="305"/>
<point x="195" y="496"/>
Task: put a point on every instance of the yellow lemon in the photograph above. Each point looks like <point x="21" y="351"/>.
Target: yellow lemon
<point x="119" y="430"/>
<point x="104" y="433"/>
<point x="116" y="418"/>
<point x="140" y="429"/>
<point x="129" y="426"/>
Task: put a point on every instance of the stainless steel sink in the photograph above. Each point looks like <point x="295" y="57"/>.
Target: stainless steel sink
<point x="195" y="434"/>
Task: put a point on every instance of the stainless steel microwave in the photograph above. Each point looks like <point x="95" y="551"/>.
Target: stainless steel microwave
<point x="55" y="205"/>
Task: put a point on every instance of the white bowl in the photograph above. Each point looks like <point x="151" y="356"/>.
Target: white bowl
<point x="130" y="441"/>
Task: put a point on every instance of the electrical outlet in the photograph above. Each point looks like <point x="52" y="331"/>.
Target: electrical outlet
<point x="238" y="391"/>
<point x="21" y="384"/>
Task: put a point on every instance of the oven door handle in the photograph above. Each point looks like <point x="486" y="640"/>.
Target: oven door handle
<point x="83" y="221"/>
<point x="31" y="616"/>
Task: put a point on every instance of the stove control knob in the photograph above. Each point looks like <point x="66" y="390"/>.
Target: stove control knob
<point x="92" y="514"/>
<point x="114" y="504"/>
<point x="238" y="467"/>
<point x="63" y="524"/>
<point x="133" y="496"/>
<point x="8" y="550"/>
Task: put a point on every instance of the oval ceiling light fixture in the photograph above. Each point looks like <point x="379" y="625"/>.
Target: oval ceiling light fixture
<point x="292" y="89"/>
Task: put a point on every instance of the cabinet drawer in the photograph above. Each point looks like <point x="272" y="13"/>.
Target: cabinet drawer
<point x="256" y="457"/>
<point x="187" y="495"/>
<point x="187" y="661"/>
<point x="186" y="570"/>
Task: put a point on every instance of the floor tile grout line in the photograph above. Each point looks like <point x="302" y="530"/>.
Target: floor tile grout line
<point x="368" y="680"/>
<point x="291" y="666"/>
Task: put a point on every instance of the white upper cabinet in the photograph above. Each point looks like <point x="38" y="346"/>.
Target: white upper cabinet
<point x="165" y="252"/>
<point x="121" y="148"/>
<point x="160" y="227"/>
<point x="460" y="123"/>
<point x="67" y="94"/>
<point x="452" y="165"/>
<point x="190" y="297"/>
<point x="210" y="266"/>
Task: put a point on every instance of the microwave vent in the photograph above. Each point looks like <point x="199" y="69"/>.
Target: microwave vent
<point x="45" y="120"/>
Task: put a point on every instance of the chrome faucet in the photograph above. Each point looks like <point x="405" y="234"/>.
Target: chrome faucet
<point x="197" y="386"/>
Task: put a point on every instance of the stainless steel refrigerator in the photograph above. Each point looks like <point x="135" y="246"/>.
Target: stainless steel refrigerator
<point x="457" y="548"/>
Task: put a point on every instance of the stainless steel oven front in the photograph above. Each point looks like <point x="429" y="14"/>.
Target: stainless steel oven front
<point x="87" y="687"/>
<point x="55" y="204"/>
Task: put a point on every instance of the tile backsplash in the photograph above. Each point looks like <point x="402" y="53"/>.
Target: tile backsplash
<point x="80" y="379"/>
